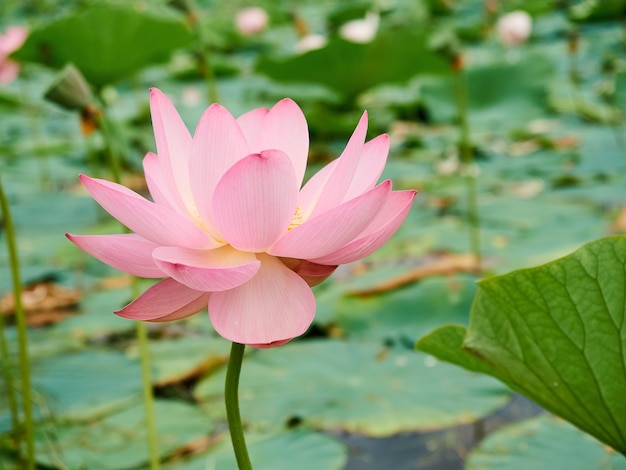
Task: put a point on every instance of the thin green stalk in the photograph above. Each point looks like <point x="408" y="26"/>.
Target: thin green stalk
<point x="37" y="137"/>
<point x="8" y="379"/>
<point x="207" y="69"/>
<point x="107" y="128"/>
<point x="22" y="334"/>
<point x="205" y="51"/>
<point x="231" y="396"/>
<point x="148" y="396"/>
<point x="467" y="163"/>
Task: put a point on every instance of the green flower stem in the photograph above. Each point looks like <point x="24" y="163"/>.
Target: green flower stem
<point x="8" y="379"/>
<point x="205" y="51"/>
<point x="22" y="334"/>
<point x="36" y="135"/>
<point x="467" y="165"/>
<point x="231" y="396"/>
<point x="148" y="397"/>
<point x="108" y="133"/>
<point x="107" y="128"/>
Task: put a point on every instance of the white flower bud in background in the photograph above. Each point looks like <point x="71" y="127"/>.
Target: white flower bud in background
<point x="251" y="20"/>
<point x="514" y="28"/>
<point x="362" y="30"/>
<point x="310" y="42"/>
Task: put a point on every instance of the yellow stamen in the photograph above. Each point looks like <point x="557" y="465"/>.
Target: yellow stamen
<point x="297" y="219"/>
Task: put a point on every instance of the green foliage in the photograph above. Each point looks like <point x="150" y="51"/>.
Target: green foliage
<point x="174" y="360"/>
<point x="497" y="93"/>
<point x="118" y="441"/>
<point x="350" y="68"/>
<point x="542" y="443"/>
<point x="313" y="451"/>
<point x="555" y="334"/>
<point x="407" y="313"/>
<point x="86" y="384"/>
<point x="597" y="10"/>
<point x="548" y="181"/>
<point x="106" y="42"/>
<point x="347" y="386"/>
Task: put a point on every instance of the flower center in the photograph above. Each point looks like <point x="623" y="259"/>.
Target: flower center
<point x="297" y="219"/>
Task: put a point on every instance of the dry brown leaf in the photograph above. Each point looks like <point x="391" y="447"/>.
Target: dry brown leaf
<point x="445" y="264"/>
<point x="566" y="142"/>
<point x="44" y="303"/>
<point x="201" y="370"/>
<point x="194" y="447"/>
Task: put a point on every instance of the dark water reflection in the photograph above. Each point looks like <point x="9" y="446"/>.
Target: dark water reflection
<point x="445" y="449"/>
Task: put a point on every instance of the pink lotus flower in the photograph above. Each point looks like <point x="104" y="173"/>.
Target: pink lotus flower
<point x="230" y="227"/>
<point x="10" y="41"/>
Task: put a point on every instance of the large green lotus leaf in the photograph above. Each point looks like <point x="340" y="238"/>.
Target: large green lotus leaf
<point x="350" y="68"/>
<point x="542" y="443"/>
<point x="106" y="42"/>
<point x="119" y="440"/>
<point x="446" y="343"/>
<point x="312" y="451"/>
<point x="176" y="359"/>
<point x="408" y="312"/>
<point x="555" y="334"/>
<point x="356" y="387"/>
<point x="86" y="384"/>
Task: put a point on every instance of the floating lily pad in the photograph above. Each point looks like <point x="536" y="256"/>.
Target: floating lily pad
<point x="312" y="451"/>
<point x="356" y="387"/>
<point x="409" y="312"/>
<point x="86" y="384"/>
<point x="96" y="320"/>
<point x="542" y="443"/>
<point x="119" y="441"/>
<point x="523" y="230"/>
<point x="175" y="360"/>
<point x="45" y="342"/>
<point x="601" y="151"/>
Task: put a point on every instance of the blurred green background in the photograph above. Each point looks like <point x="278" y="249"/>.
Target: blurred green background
<point x="544" y="146"/>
